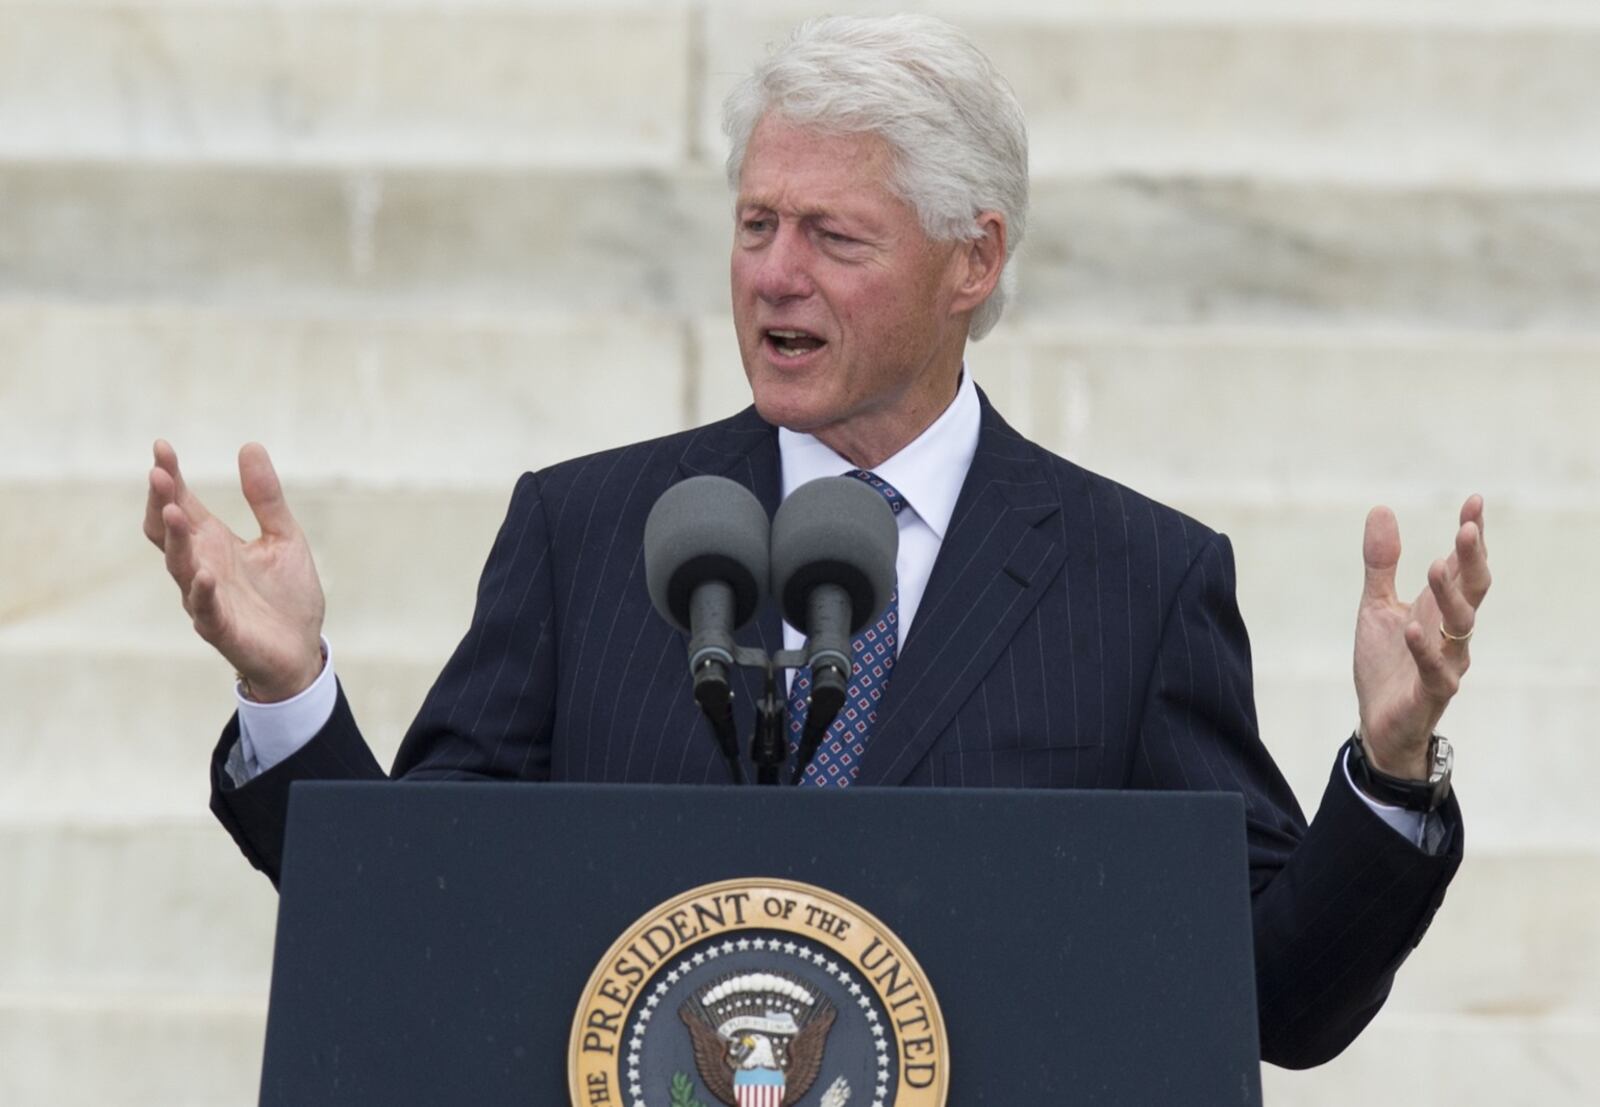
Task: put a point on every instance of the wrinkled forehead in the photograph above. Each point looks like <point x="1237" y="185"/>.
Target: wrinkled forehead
<point x="806" y="166"/>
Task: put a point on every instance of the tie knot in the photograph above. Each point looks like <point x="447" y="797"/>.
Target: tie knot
<point x="897" y="502"/>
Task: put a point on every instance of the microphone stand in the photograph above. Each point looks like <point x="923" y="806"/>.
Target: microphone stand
<point x="769" y="745"/>
<point x="712" y="651"/>
<point x="769" y="748"/>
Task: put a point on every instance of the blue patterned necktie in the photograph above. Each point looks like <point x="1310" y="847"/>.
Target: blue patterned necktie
<point x="872" y="653"/>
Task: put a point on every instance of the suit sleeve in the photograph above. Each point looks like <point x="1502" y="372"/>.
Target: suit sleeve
<point x="488" y="715"/>
<point x="1337" y="905"/>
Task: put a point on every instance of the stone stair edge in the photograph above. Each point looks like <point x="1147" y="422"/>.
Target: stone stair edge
<point x="1383" y="177"/>
<point x="397" y="159"/>
<point x="155" y="1001"/>
<point x="1486" y="14"/>
<point x="20" y="306"/>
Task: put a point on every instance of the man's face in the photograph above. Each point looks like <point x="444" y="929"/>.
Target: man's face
<point x="849" y="317"/>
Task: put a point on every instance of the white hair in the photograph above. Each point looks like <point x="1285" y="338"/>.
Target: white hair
<point x="960" y="144"/>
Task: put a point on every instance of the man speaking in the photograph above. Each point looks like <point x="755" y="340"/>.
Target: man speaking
<point x="1049" y="628"/>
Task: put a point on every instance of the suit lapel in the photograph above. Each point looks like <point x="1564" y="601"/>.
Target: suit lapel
<point x="994" y="565"/>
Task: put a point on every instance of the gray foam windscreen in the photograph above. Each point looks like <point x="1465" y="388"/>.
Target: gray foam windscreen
<point x="839" y="531"/>
<point x="706" y="528"/>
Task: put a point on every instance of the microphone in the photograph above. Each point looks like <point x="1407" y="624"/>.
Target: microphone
<point x="705" y="564"/>
<point x="834" y="543"/>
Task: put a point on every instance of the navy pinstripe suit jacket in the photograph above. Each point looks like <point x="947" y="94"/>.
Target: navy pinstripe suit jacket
<point x="1073" y="634"/>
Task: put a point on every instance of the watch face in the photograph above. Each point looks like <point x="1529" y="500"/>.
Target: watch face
<point x="1444" y="760"/>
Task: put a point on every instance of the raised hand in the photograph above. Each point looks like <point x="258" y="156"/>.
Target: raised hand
<point x="1410" y="658"/>
<point x="258" y="602"/>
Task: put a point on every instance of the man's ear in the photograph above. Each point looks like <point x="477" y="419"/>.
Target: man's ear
<point x="982" y="259"/>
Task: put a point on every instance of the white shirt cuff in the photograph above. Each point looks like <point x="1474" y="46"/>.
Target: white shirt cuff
<point x="272" y="732"/>
<point x="1407" y="824"/>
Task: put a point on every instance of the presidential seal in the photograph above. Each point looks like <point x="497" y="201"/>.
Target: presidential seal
<point x="758" y="993"/>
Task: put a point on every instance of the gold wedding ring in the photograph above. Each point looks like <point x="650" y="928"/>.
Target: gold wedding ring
<point x="1459" y="639"/>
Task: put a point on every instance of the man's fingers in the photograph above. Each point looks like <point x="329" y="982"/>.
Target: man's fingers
<point x="263" y="492"/>
<point x="167" y="460"/>
<point x="204" y="607"/>
<point x="158" y="497"/>
<point x="1472" y="512"/>
<point x="1472" y="561"/>
<point x="1439" y="677"/>
<point x="1456" y="612"/>
<point x="179" y="547"/>
<point x="1380" y="551"/>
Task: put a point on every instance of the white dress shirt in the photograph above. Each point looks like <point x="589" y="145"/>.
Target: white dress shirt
<point x="928" y="474"/>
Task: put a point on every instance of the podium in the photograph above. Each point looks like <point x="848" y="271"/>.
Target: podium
<point x="435" y="940"/>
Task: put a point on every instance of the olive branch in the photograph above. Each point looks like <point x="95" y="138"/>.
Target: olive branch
<point x="683" y="1092"/>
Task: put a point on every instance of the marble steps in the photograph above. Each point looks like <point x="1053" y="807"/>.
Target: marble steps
<point x="1121" y="249"/>
<point x="98" y="1048"/>
<point x="1345" y="96"/>
<point x="1491" y="93"/>
<point x="1411" y="16"/>
<point x="154" y="908"/>
<point x="116" y="740"/>
<point x="276" y="84"/>
<point x="442" y="400"/>
<point x="468" y="399"/>
<point x="1482" y="1063"/>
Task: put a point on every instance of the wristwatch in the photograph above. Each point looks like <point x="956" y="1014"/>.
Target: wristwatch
<point x="1413" y="795"/>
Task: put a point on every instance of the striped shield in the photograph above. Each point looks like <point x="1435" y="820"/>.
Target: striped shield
<point x="758" y="1087"/>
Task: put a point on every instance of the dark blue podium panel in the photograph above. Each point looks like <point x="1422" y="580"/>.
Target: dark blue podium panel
<point x="434" y="940"/>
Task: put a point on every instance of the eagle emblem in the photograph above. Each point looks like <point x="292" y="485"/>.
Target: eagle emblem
<point x="758" y="1037"/>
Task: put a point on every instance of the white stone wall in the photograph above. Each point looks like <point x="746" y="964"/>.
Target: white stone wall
<point x="419" y="247"/>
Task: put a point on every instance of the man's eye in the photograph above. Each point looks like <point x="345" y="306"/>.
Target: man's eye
<point x="837" y="238"/>
<point x="757" y="226"/>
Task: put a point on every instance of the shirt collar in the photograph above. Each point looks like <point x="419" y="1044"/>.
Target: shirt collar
<point x="928" y="472"/>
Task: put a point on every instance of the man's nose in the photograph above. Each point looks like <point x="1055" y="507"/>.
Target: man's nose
<point x="784" y="270"/>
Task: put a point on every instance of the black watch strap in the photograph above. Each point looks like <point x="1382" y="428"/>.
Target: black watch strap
<point x="1413" y="795"/>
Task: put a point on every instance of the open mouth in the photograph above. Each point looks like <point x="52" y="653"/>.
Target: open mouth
<point x="792" y="344"/>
